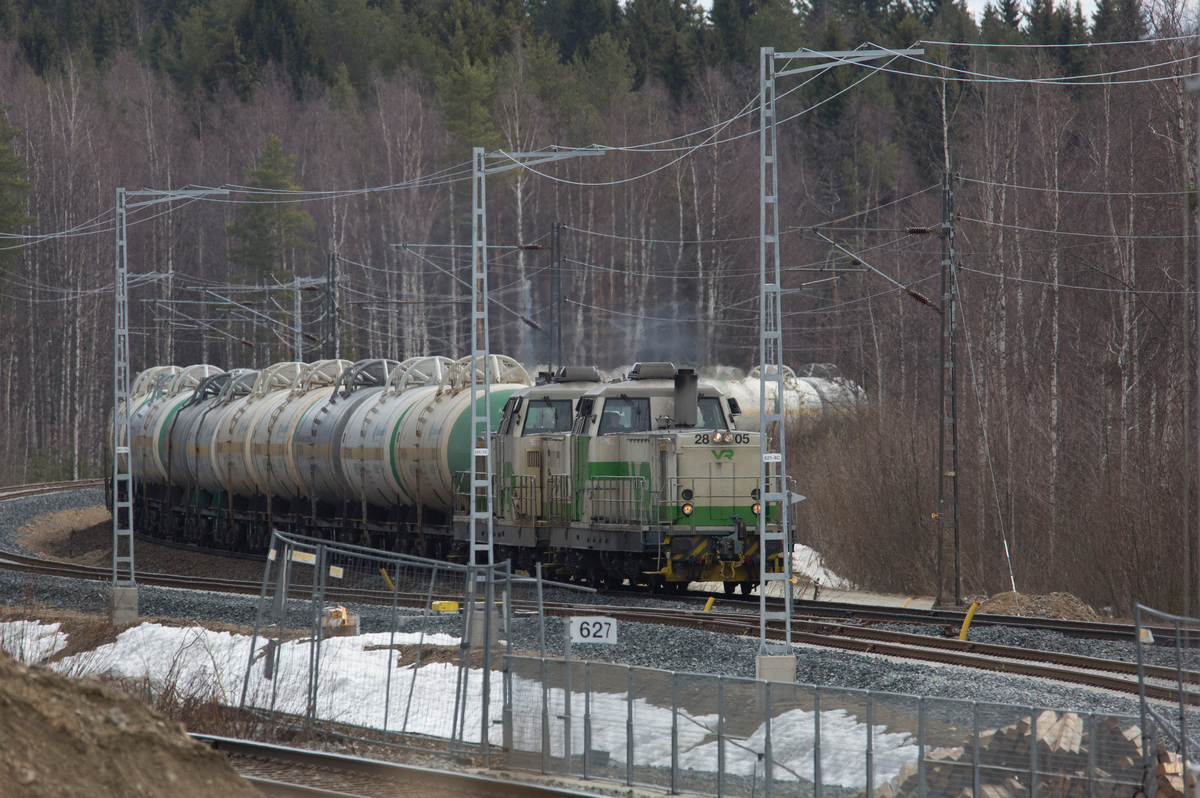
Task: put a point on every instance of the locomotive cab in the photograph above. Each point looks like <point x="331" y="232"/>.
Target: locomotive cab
<point x="532" y="454"/>
<point x="657" y="461"/>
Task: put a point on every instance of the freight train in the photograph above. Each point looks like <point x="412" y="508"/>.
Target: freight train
<point x="645" y="479"/>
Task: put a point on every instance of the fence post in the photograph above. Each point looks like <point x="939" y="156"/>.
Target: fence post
<point x="485" y="713"/>
<point x="508" y="710"/>
<point x="871" y="747"/>
<point x="1183" y="736"/>
<point x="541" y="613"/>
<point x="545" y="717"/>
<point x="629" y="744"/>
<point x="314" y="650"/>
<point x="420" y="643"/>
<point x="768" y="771"/>
<point x="674" y="733"/>
<point x="567" y="731"/>
<point x="387" y="699"/>
<point x="720" y="737"/>
<point x="975" y="752"/>
<point x="1091" y="756"/>
<point x="816" y="741"/>
<point x="508" y="688"/>
<point x="921" y="786"/>
<point x="1033" y="761"/>
<point x="587" y="720"/>
<point x="262" y="597"/>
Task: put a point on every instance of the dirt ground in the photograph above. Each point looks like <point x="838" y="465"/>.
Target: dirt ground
<point x="1055" y="605"/>
<point x="75" y="737"/>
<point x="84" y="537"/>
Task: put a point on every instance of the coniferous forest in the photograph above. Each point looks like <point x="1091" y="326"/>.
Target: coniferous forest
<point x="343" y="132"/>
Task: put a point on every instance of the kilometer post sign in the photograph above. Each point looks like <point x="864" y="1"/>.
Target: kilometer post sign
<point x="597" y="629"/>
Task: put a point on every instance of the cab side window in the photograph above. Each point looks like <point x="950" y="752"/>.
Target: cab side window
<point x="625" y="414"/>
<point x="711" y="415"/>
<point x="547" y="415"/>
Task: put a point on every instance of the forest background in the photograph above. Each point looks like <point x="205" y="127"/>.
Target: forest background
<point x="1072" y="138"/>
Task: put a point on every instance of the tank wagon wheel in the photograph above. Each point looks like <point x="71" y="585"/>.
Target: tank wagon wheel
<point x="656" y="585"/>
<point x="746" y="588"/>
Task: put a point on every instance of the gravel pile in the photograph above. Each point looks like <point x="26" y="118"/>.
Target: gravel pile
<point x="645" y="645"/>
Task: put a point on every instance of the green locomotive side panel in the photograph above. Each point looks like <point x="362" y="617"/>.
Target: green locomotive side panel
<point x="579" y="460"/>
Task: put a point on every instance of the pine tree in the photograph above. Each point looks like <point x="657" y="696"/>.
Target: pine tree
<point x="13" y="188"/>
<point x="268" y="224"/>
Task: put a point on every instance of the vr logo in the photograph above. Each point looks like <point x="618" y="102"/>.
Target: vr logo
<point x="722" y="453"/>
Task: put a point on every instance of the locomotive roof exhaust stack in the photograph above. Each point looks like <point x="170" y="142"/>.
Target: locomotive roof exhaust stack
<point x="687" y="397"/>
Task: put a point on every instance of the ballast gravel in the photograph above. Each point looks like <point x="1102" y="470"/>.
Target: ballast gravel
<point x="644" y="645"/>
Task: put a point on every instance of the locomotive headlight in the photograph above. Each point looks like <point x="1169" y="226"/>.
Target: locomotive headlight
<point x="687" y="508"/>
<point x="718" y="437"/>
<point x="687" y="494"/>
<point x="756" y="508"/>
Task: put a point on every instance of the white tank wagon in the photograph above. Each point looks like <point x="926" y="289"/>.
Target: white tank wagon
<point x="270" y="444"/>
<point x="230" y="451"/>
<point x="421" y="438"/>
<point x="149" y="449"/>
<point x="181" y="432"/>
<point x="141" y="393"/>
<point x="818" y="392"/>
<point x="317" y="444"/>
<point x="199" y="463"/>
<point x="366" y="465"/>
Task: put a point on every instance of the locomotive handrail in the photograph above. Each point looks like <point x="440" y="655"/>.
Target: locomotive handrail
<point x="621" y="508"/>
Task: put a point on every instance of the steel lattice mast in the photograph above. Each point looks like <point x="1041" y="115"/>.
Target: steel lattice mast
<point x="772" y="469"/>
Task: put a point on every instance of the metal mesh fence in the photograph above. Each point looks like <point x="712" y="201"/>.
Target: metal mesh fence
<point x="710" y="735"/>
<point x="399" y="650"/>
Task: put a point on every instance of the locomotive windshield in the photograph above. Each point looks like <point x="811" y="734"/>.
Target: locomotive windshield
<point x="711" y="416"/>
<point x="625" y="414"/>
<point x="547" y="415"/>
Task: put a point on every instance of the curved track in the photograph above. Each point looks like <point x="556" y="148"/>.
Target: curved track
<point x="850" y="630"/>
<point x="280" y="767"/>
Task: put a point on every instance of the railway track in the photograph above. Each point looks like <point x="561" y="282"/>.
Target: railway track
<point x="21" y="491"/>
<point x="1094" y="672"/>
<point x="839" y="626"/>
<point x="279" y="770"/>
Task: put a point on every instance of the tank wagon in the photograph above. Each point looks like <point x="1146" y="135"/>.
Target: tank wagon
<point x="818" y="392"/>
<point x="646" y="479"/>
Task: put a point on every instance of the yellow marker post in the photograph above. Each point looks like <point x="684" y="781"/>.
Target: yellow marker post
<point x="962" y="635"/>
<point x="387" y="579"/>
<point x="708" y="605"/>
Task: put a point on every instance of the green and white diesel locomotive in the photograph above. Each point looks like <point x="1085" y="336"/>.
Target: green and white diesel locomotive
<point x="646" y="479"/>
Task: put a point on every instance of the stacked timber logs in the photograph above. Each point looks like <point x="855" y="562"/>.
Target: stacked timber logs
<point x="1064" y="748"/>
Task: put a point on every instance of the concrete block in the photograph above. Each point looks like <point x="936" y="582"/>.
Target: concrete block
<point x="775" y="668"/>
<point x="123" y="606"/>
<point x="479" y="628"/>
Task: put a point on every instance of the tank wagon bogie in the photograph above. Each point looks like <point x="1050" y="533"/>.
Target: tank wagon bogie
<point x="646" y="479"/>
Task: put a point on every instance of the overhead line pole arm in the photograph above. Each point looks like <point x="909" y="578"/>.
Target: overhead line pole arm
<point x="924" y="300"/>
